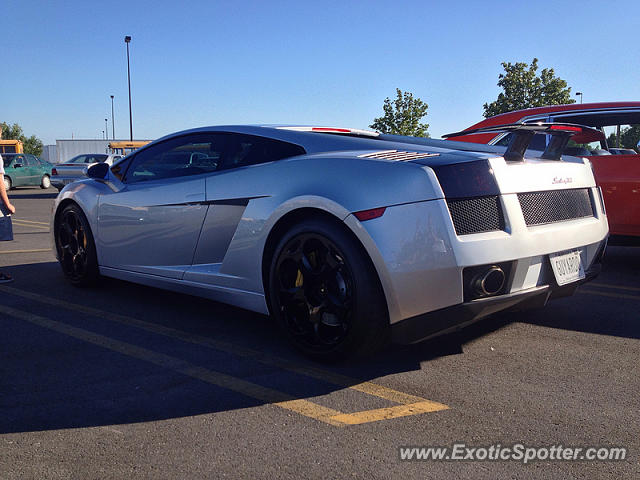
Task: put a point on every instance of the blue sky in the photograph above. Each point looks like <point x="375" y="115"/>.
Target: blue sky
<point x="328" y="63"/>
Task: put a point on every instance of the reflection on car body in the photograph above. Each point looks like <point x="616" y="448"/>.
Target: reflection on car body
<point x="76" y="168"/>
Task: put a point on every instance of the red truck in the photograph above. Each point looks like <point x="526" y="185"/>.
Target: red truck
<point x="618" y="175"/>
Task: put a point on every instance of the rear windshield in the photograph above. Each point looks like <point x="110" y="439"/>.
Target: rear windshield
<point x="88" y="158"/>
<point x="7" y="159"/>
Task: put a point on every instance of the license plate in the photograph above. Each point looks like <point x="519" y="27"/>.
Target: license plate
<point x="567" y="267"/>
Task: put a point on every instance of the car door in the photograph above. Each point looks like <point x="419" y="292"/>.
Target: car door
<point x="617" y="175"/>
<point x="20" y="174"/>
<point x="228" y="193"/>
<point x="33" y="170"/>
<point x="619" y="178"/>
<point x="152" y="224"/>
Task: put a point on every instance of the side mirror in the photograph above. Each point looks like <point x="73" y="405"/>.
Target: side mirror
<point x="17" y="165"/>
<point x="98" y="171"/>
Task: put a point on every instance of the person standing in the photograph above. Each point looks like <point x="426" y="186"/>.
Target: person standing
<point x="7" y="209"/>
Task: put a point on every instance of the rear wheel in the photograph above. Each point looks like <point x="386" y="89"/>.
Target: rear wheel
<point x="45" y="182"/>
<point x="7" y="183"/>
<point x="75" y="246"/>
<point x="325" y="294"/>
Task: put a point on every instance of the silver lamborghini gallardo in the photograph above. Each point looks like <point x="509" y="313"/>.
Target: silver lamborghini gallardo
<point x="348" y="238"/>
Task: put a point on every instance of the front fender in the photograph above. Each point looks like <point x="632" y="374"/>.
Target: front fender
<point x="86" y="194"/>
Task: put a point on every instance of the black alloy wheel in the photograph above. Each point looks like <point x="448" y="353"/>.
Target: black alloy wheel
<point x="324" y="293"/>
<point x="75" y="247"/>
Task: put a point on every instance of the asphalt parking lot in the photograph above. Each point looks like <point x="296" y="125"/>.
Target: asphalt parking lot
<point x="125" y="381"/>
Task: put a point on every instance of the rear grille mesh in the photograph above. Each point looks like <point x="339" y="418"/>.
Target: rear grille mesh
<point x="476" y="215"/>
<point x="552" y="206"/>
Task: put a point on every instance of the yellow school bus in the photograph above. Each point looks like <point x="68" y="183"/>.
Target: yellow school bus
<point x="126" y="147"/>
<point x="11" y="146"/>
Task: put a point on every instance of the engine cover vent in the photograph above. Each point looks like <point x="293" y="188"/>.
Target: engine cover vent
<point x="398" y="155"/>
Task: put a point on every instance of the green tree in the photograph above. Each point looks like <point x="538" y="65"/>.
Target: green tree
<point x="523" y="88"/>
<point x="402" y="116"/>
<point x="31" y="144"/>
<point x="629" y="137"/>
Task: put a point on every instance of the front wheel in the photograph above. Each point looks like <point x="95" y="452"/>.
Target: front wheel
<point x="45" y="182"/>
<point x="75" y="247"/>
<point x="325" y="293"/>
<point x="7" y="183"/>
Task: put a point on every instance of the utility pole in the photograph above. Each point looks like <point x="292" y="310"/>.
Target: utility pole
<point x="113" y="124"/>
<point x="127" y="40"/>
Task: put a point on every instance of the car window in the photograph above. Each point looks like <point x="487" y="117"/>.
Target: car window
<point x="177" y="157"/>
<point x="120" y="168"/>
<point x="7" y="159"/>
<point x="538" y="142"/>
<point x="88" y="158"/>
<point x="19" y="160"/>
<point x="250" y="150"/>
<point x="31" y="160"/>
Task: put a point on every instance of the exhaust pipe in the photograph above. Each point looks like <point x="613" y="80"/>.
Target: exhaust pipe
<point x="490" y="282"/>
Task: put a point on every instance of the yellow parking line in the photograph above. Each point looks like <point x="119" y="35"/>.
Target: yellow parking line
<point x="376" y="390"/>
<point x="27" y="251"/>
<point x="22" y="224"/>
<point x="29" y="221"/>
<point x="608" y="294"/>
<point x="387" y="413"/>
<point x="369" y="388"/>
<point x="248" y="389"/>
<point x="309" y="371"/>
<point x="607" y="285"/>
<point x="312" y="410"/>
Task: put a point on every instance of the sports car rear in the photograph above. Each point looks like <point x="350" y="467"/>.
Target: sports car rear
<point x="500" y="234"/>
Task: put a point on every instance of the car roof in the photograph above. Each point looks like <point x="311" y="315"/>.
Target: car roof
<point x="322" y="139"/>
<point x="581" y="113"/>
<point x="514" y="116"/>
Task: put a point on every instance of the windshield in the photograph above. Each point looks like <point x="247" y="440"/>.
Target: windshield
<point x="88" y="158"/>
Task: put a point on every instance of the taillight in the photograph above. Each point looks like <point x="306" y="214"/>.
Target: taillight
<point x="54" y="171"/>
<point x="365" y="215"/>
<point x="330" y="130"/>
<point x="565" y="128"/>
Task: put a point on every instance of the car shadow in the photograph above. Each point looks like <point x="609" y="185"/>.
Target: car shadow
<point x="605" y="306"/>
<point x="20" y="195"/>
<point x="68" y="359"/>
<point x="122" y="353"/>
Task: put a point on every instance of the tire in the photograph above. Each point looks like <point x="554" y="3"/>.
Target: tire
<point x="7" y="183"/>
<point x="75" y="247"/>
<point x="45" y="182"/>
<point x="325" y="294"/>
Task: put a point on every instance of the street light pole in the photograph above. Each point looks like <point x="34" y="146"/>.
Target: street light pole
<point x="106" y="128"/>
<point x="127" y="39"/>
<point x="580" y="95"/>
<point x="113" y="125"/>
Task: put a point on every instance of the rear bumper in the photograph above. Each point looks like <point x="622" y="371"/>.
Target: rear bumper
<point x="59" y="181"/>
<point x="446" y="320"/>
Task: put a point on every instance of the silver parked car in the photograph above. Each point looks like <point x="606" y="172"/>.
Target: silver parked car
<point x="76" y="168"/>
<point x="347" y="237"/>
